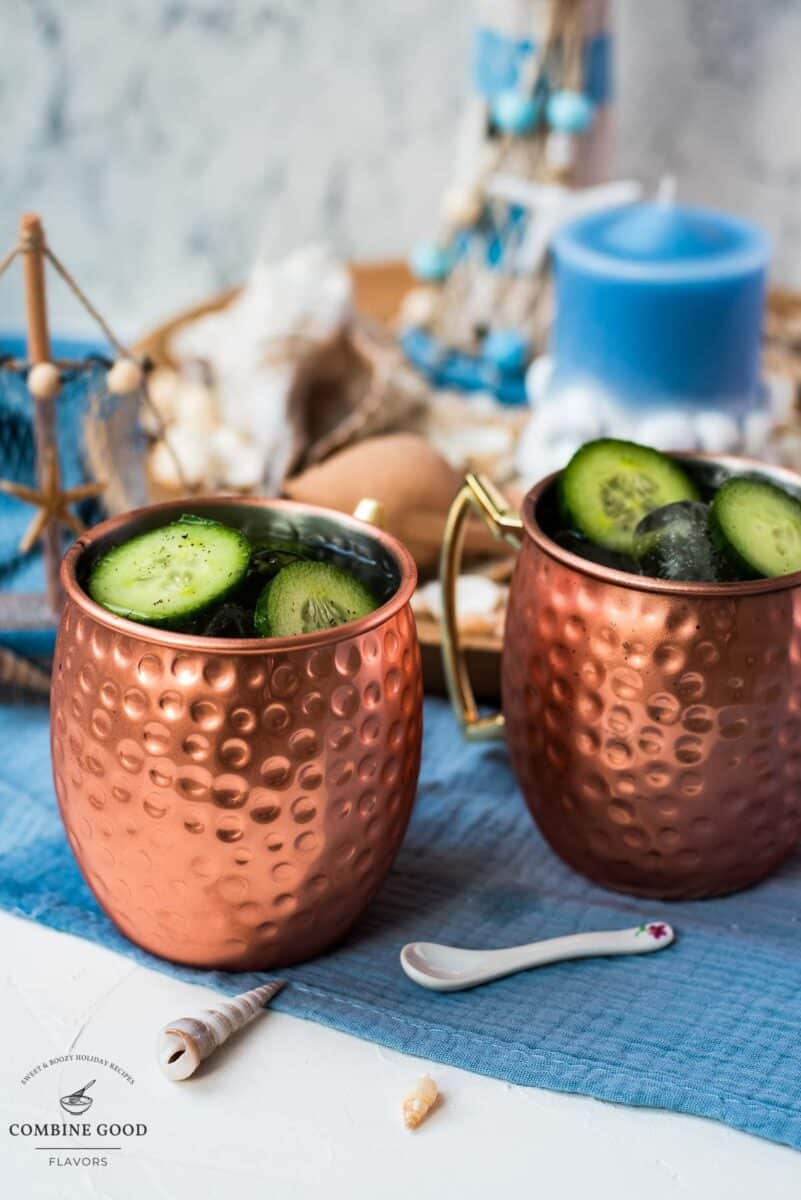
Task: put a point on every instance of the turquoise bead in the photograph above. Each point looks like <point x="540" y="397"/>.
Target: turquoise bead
<point x="515" y="112"/>
<point x="506" y="349"/>
<point x="569" y="112"/>
<point x="430" y="261"/>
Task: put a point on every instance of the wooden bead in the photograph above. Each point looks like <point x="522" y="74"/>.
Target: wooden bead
<point x="506" y="349"/>
<point x="44" y="381"/>
<point x="570" y="112"/>
<point x="419" y="308"/>
<point x="462" y="206"/>
<point x="516" y="112"/>
<point x="430" y="262"/>
<point x="124" y="377"/>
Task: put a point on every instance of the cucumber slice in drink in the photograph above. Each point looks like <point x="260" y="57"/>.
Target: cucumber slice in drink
<point x="758" y="526"/>
<point x="170" y="575"/>
<point x="609" y="486"/>
<point x="307" y="596"/>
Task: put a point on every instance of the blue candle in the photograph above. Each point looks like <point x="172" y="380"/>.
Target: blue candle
<point x="660" y="305"/>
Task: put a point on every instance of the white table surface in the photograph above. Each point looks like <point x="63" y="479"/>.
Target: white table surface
<point x="294" y="1110"/>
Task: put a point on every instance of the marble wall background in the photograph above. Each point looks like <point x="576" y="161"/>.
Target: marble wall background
<point x="162" y="139"/>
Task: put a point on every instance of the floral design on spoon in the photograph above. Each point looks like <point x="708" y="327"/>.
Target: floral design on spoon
<point x="656" y="929"/>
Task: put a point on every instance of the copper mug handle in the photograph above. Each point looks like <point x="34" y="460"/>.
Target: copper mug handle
<point x="478" y="495"/>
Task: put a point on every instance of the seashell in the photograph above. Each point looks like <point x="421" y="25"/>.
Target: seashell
<point x="308" y="293"/>
<point x="406" y="475"/>
<point x="190" y="447"/>
<point x="196" y="405"/>
<point x="476" y="434"/>
<point x="716" y="432"/>
<point x="477" y="596"/>
<point x="665" y="430"/>
<point x="538" y="378"/>
<point x="757" y="430"/>
<point x="185" y="1043"/>
<point x="162" y="386"/>
<point x="417" y="1103"/>
<point x="780" y="398"/>
<point x="237" y="462"/>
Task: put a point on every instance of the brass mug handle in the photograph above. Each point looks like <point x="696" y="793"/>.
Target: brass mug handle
<point x="477" y="495"/>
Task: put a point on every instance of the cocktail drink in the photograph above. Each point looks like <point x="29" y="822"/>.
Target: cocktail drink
<point x="651" y="675"/>
<point x="637" y="510"/>
<point x="236" y="715"/>
<point x="198" y="575"/>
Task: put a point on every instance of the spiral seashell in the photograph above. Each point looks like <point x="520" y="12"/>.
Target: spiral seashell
<point x="185" y="1043"/>
<point x="418" y="1103"/>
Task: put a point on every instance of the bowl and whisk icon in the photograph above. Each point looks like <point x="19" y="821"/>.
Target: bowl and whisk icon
<point x="78" y="1102"/>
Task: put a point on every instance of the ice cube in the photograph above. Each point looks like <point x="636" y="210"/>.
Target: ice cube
<point x="673" y="542"/>
<point x="708" y="476"/>
<point x="227" y="620"/>
<point x="577" y="544"/>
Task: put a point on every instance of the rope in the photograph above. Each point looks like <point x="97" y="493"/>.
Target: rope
<point x="9" y="258"/>
<point x="83" y="299"/>
<point x="32" y="241"/>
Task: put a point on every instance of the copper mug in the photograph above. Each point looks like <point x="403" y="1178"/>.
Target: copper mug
<point x="236" y="803"/>
<point x="654" y="727"/>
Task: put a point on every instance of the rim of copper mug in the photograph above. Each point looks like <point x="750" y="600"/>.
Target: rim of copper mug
<point x="645" y="583"/>
<point x="251" y="645"/>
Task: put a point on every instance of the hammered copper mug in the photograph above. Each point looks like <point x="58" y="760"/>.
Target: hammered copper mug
<point x="654" y="726"/>
<point x="235" y="803"/>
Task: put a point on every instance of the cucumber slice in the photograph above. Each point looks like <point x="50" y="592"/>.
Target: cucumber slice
<point x="609" y="486"/>
<point x="307" y="596"/>
<point x="169" y="575"/>
<point x="758" y="526"/>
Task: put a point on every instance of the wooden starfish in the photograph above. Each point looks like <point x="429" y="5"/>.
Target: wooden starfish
<point x="51" y="501"/>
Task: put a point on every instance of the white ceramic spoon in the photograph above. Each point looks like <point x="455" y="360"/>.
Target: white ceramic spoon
<point x="450" y="969"/>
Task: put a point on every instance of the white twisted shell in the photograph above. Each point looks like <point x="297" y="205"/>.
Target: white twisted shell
<point x="185" y="1043"/>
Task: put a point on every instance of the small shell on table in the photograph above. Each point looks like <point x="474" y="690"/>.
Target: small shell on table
<point x="185" y="1043"/>
<point x="419" y="1101"/>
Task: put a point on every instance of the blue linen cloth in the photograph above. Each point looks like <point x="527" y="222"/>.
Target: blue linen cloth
<point x="709" y="1026"/>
